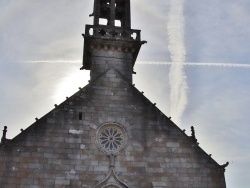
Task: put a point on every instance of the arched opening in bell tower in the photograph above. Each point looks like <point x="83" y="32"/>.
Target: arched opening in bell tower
<point x="112" y="13"/>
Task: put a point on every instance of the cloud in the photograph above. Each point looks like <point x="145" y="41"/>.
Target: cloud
<point x="217" y="31"/>
<point x="152" y="16"/>
<point x="52" y="28"/>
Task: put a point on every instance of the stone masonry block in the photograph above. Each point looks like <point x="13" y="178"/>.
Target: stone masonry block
<point x="173" y="144"/>
<point x="159" y="184"/>
<point x="62" y="182"/>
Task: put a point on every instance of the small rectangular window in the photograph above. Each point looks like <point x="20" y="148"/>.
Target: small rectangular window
<point x="80" y="115"/>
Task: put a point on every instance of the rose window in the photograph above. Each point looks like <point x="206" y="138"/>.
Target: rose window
<point x="111" y="138"/>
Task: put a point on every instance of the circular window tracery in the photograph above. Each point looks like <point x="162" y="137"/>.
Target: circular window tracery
<point x="111" y="138"/>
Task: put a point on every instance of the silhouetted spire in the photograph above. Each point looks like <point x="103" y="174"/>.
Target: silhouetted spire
<point x="3" y="139"/>
<point x="193" y="134"/>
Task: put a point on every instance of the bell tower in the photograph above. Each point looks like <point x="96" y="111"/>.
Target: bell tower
<point x="110" y="43"/>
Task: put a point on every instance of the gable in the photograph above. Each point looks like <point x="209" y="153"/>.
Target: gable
<point x="62" y="147"/>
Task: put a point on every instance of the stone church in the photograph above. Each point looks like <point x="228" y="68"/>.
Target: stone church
<point x="108" y="134"/>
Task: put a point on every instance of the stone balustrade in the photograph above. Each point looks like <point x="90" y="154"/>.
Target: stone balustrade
<point x="108" y="32"/>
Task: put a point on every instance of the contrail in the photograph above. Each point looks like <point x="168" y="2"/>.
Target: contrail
<point x="197" y="64"/>
<point x="177" y="77"/>
<point x="52" y="61"/>
<point x="191" y="64"/>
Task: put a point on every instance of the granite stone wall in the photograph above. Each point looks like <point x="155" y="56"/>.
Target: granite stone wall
<point x="61" y="148"/>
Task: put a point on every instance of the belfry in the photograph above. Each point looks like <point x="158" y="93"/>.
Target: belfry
<point x="109" y="45"/>
<point x="112" y="10"/>
<point x="108" y="134"/>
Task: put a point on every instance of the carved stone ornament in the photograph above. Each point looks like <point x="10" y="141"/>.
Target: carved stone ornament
<point x="111" y="180"/>
<point x="111" y="138"/>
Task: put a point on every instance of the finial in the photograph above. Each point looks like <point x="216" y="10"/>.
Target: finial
<point x="55" y="105"/>
<point x="3" y="139"/>
<point x="36" y="119"/>
<point x="225" y="165"/>
<point x="193" y="134"/>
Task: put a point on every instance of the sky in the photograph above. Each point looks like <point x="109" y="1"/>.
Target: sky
<point x="195" y="66"/>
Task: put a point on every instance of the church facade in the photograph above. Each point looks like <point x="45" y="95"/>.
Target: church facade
<point x="108" y="134"/>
